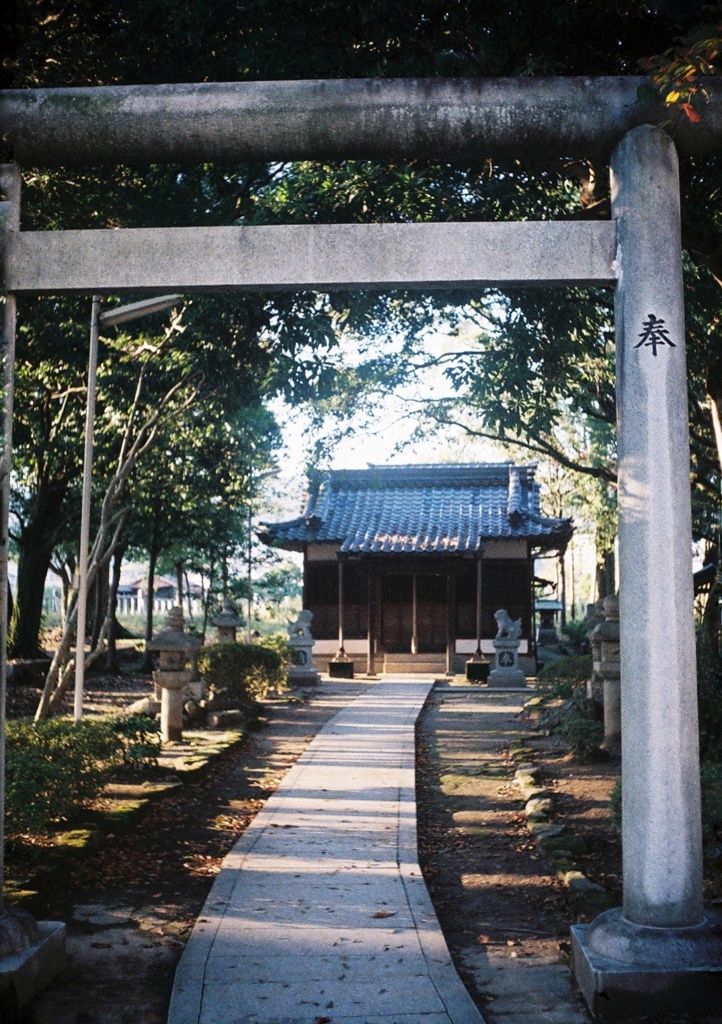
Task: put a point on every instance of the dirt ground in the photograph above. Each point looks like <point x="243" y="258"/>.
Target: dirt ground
<point x="130" y="904"/>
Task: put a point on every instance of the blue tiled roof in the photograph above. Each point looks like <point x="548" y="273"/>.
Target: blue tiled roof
<point x="421" y="509"/>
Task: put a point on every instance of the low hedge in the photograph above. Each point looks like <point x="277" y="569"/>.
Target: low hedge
<point x="53" y="768"/>
<point x="562" y="677"/>
<point x="237" y="675"/>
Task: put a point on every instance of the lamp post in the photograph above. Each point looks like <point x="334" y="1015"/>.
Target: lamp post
<point x="110" y="318"/>
<point x="249" y="550"/>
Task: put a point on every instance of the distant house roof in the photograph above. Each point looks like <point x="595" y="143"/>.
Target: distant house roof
<point x="422" y="510"/>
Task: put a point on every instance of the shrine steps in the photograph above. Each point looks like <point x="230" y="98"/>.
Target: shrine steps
<point x="413" y="664"/>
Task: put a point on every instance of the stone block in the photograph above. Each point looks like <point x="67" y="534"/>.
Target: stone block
<point x="541" y="829"/>
<point x="539" y="809"/>
<point x="577" y="881"/>
<point x="230" y="719"/>
<point x="26" y="973"/>
<point x="574" y="845"/>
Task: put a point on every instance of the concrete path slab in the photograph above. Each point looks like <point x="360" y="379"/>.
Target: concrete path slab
<point x="320" y="914"/>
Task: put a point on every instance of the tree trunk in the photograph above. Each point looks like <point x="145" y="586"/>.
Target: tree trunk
<point x="208" y="597"/>
<point x="101" y="591"/>
<point x="179" y="582"/>
<point x="605" y="574"/>
<point x="35" y="544"/>
<point x="188" y="595"/>
<point x="148" y="657"/>
<point x="113" y="632"/>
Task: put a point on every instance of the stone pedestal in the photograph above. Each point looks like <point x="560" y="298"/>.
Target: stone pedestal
<point x="628" y="970"/>
<point x="506" y="671"/>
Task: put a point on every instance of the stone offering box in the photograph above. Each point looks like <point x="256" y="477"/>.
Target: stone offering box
<point x="341" y="669"/>
<point x="478" y="671"/>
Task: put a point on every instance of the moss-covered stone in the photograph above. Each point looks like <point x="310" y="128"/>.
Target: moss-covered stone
<point x="121" y="816"/>
<point x="77" y="839"/>
<point x="574" y="844"/>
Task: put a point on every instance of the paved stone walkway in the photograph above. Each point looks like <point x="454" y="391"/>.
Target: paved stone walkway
<point x="320" y="914"/>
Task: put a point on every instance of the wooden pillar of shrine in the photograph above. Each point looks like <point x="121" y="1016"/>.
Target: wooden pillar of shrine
<point x="450" y="623"/>
<point x="372" y="624"/>
<point x="414" y="615"/>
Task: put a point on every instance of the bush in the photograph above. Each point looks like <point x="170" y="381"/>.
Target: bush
<point x="582" y="726"/>
<point x="709" y="690"/>
<point x="54" y="768"/>
<point x="711" y="780"/>
<point x="140" y="739"/>
<point x="575" y="635"/>
<point x="236" y="675"/>
<point x="563" y="677"/>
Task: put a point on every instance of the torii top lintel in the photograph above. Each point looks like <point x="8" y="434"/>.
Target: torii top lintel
<point x="440" y="119"/>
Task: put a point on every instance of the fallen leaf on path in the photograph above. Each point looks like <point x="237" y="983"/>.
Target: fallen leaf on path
<point x="384" y="913"/>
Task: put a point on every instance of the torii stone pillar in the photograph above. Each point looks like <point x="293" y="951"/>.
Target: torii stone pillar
<point x="661" y="952"/>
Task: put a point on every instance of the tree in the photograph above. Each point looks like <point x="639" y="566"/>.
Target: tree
<point x="139" y="433"/>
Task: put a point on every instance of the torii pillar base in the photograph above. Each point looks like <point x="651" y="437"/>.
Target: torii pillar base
<point x="660" y="970"/>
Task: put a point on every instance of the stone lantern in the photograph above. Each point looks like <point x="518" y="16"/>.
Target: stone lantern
<point x="175" y="648"/>
<point x="606" y="634"/>
<point x="595" y="616"/>
<point x="227" y="622"/>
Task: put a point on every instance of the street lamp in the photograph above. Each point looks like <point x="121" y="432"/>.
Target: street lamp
<point x="249" y="553"/>
<point x="110" y="318"/>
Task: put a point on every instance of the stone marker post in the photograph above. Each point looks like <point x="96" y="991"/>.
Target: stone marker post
<point x="661" y="952"/>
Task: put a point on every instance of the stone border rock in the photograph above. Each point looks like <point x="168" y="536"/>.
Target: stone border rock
<point x="552" y="839"/>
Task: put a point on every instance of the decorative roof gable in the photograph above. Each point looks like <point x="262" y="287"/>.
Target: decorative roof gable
<point x="423" y="509"/>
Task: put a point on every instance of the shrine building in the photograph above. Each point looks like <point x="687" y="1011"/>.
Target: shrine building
<point x="405" y="566"/>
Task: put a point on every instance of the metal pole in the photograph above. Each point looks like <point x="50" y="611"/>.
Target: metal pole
<point x="85" y="510"/>
<point x="250" y="570"/>
<point x="10" y="184"/>
<point x="6" y="464"/>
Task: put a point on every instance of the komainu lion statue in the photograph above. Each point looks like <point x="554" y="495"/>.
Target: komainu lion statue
<point x="508" y="628"/>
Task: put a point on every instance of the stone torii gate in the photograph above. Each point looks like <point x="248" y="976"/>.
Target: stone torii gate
<point x="662" y="950"/>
